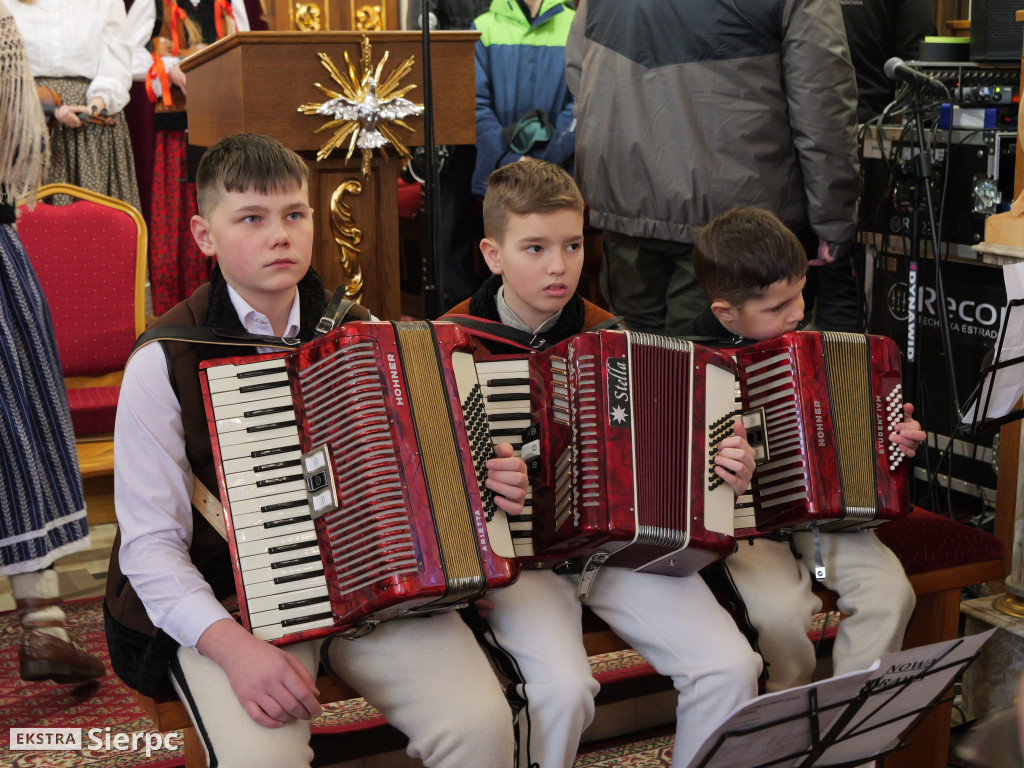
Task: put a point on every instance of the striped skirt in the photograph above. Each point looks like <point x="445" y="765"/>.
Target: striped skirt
<point x="95" y="157"/>
<point x="42" y="507"/>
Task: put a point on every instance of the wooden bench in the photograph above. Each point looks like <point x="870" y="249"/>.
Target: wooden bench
<point x="96" y="464"/>
<point x="936" y="617"/>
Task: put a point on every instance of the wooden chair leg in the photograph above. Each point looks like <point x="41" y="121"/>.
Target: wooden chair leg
<point x="195" y="753"/>
<point x="935" y="618"/>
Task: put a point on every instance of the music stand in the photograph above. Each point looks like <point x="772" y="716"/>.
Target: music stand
<point x="986" y="407"/>
<point x="844" y="721"/>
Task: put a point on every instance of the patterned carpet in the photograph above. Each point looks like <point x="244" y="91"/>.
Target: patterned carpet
<point x="107" y="702"/>
<point x="109" y="706"/>
<point x="651" y="750"/>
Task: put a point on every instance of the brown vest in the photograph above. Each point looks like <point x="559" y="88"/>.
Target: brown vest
<point x="139" y="651"/>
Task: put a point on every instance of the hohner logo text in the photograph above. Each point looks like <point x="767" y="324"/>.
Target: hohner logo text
<point x="819" y="427"/>
<point x="395" y="380"/>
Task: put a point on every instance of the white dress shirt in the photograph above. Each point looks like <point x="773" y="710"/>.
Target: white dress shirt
<point x="153" y="488"/>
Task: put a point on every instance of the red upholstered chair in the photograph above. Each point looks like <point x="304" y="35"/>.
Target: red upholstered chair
<point x="90" y="257"/>
<point x="411" y="240"/>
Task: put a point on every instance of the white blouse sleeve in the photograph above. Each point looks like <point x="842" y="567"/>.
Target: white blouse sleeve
<point x="114" y="73"/>
<point x="141" y="21"/>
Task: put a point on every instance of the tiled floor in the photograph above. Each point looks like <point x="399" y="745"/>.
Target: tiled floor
<point x="82" y="574"/>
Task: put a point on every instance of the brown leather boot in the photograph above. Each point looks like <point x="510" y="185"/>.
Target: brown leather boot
<point x="45" y="657"/>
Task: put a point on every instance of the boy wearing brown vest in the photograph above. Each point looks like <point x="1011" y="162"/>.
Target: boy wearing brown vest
<point x="251" y="701"/>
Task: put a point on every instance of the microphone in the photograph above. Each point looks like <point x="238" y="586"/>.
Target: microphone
<point x="896" y="69"/>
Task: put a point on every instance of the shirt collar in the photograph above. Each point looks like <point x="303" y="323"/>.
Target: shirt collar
<point x="510" y="318"/>
<point x="256" y="322"/>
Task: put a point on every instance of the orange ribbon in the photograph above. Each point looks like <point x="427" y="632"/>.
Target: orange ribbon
<point x="176" y="15"/>
<point x="222" y="8"/>
<point x="158" y="72"/>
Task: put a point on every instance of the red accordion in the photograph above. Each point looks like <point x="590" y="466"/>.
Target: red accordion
<point x="352" y="490"/>
<point x="830" y="401"/>
<point x="624" y="432"/>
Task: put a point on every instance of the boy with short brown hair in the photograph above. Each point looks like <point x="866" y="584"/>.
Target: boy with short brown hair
<point x="752" y="268"/>
<point x="534" y="247"/>
<point x="771" y="253"/>
<point x="251" y="700"/>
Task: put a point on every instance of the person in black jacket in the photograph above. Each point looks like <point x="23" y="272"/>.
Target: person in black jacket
<point x="533" y="215"/>
<point x="877" y="30"/>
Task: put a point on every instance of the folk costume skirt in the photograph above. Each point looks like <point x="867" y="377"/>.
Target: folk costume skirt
<point x="42" y="507"/>
<point x="176" y="265"/>
<point x="96" y="157"/>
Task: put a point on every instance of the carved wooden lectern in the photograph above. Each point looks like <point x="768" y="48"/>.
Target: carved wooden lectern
<point x="255" y="81"/>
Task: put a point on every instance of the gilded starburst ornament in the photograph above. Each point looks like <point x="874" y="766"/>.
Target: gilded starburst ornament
<point x="368" y="109"/>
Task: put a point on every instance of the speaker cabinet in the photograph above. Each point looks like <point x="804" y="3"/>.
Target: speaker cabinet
<point x="995" y="33"/>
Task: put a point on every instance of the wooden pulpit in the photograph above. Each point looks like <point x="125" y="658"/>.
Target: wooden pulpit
<point x="255" y="82"/>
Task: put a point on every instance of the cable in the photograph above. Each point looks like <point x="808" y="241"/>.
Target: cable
<point x="921" y="115"/>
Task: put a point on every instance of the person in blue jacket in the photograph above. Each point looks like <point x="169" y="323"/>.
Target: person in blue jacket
<point x="523" y="105"/>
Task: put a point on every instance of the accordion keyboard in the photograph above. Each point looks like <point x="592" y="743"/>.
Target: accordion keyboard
<point x="279" y="558"/>
<point x="505" y="386"/>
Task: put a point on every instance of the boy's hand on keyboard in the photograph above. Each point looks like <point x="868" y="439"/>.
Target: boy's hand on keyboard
<point x="735" y="460"/>
<point x="506" y="476"/>
<point x="908" y="433"/>
<point x="272" y="686"/>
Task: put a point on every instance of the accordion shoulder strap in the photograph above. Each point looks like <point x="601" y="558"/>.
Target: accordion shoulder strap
<point x="497" y="331"/>
<point x="209" y="506"/>
<point x="340" y="310"/>
<point x="201" y="334"/>
<point x="611" y="322"/>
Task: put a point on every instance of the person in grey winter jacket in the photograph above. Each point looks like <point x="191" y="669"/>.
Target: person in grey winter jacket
<point x="688" y="109"/>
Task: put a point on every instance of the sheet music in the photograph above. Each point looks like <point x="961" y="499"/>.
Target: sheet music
<point x="774" y="731"/>
<point x="1007" y="385"/>
<point x="891" y="699"/>
<point x="759" y="744"/>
